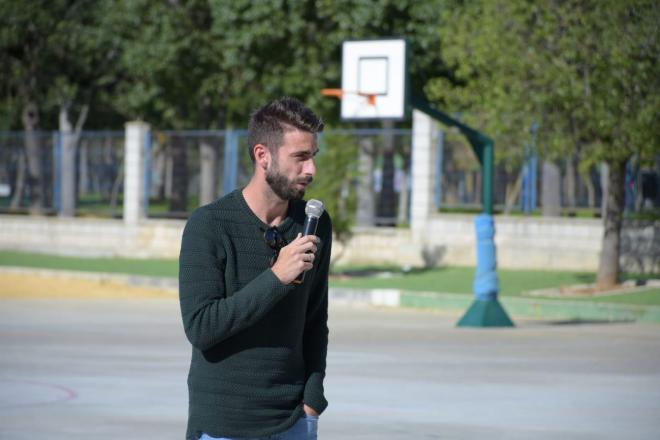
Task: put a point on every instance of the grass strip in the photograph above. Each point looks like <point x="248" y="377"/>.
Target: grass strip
<point x="513" y="283"/>
<point x="132" y="266"/>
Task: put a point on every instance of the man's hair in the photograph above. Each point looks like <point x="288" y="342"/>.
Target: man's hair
<point x="269" y="123"/>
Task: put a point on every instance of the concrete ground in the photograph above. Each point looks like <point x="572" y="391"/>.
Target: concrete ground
<point x="116" y="369"/>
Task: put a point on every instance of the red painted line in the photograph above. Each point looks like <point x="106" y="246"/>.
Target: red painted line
<point x="69" y="394"/>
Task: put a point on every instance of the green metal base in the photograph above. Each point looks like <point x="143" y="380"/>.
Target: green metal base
<point x="485" y="313"/>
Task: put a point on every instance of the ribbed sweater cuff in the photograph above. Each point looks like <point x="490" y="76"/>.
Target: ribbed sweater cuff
<point x="314" y="393"/>
<point x="275" y="282"/>
<point x="267" y="281"/>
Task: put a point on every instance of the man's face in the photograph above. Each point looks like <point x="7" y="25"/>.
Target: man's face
<point x="292" y="167"/>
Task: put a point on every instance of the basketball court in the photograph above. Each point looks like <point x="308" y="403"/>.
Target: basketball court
<point x="104" y="368"/>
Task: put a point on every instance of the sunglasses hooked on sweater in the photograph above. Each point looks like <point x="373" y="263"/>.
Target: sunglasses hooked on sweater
<point x="275" y="241"/>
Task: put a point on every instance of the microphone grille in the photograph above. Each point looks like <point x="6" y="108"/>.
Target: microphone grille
<point x="314" y="208"/>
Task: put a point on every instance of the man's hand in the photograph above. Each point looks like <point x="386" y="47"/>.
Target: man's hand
<point x="310" y="411"/>
<point x="295" y="258"/>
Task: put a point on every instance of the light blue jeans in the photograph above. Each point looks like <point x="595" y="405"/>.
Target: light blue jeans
<point x="306" y="428"/>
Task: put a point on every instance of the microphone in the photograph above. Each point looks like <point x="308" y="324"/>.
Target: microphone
<point x="313" y="212"/>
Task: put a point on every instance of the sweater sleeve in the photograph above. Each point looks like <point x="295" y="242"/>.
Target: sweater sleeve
<point x="315" y="339"/>
<point x="209" y="316"/>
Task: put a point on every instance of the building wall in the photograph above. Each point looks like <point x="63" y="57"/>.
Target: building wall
<point x="532" y="243"/>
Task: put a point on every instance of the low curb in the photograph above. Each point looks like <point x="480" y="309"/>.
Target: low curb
<point x="516" y="307"/>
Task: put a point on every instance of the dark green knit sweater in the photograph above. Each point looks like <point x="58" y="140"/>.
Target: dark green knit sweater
<point x="259" y="346"/>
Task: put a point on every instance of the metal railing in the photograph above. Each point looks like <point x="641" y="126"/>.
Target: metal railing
<point x="367" y="171"/>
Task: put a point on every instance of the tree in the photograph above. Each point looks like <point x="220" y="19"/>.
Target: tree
<point x="165" y="61"/>
<point x="85" y="49"/>
<point x="586" y="71"/>
<point x="192" y="63"/>
<point x="205" y="64"/>
<point x="618" y="117"/>
<point x="56" y="54"/>
<point x="24" y="33"/>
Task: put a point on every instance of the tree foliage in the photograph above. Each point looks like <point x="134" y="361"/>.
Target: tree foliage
<point x="203" y="64"/>
<point x="586" y="71"/>
<point x="338" y="171"/>
<point x="199" y="63"/>
<point x="55" y="53"/>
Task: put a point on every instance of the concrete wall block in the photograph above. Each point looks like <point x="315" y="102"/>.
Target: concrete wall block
<point x="447" y="241"/>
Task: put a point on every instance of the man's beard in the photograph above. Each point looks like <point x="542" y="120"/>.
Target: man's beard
<point x="283" y="187"/>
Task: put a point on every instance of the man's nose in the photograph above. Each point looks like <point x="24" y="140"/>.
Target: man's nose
<point x="310" y="168"/>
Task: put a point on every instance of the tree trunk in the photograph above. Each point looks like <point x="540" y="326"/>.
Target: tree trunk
<point x="604" y="186"/>
<point x="365" y="192"/>
<point x="68" y="169"/>
<point x="477" y="188"/>
<point x="608" y="267"/>
<point x="109" y="171"/>
<point x="69" y="136"/>
<point x="83" y="170"/>
<point x="591" y="190"/>
<point x="513" y="193"/>
<point x="169" y="171"/>
<point x="179" y="199"/>
<point x="114" y="190"/>
<point x="35" y="179"/>
<point x="386" y="212"/>
<point x="160" y="175"/>
<point x="208" y="156"/>
<point x="550" y="195"/>
<point x="404" y="196"/>
<point x="19" y="186"/>
<point x="570" y="184"/>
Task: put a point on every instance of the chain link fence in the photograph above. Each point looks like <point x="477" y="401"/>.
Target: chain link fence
<point x="27" y="172"/>
<point x="364" y="175"/>
<point x="100" y="174"/>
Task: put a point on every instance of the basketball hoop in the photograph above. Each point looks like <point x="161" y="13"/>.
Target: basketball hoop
<point x="339" y="94"/>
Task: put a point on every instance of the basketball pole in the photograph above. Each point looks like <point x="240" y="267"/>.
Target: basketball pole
<point x="486" y="310"/>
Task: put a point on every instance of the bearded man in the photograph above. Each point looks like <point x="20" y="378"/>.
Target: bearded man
<point x="259" y="339"/>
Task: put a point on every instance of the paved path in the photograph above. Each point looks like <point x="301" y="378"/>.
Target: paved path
<point x="116" y="369"/>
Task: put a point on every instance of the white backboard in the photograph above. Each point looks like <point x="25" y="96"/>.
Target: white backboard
<point x="378" y="68"/>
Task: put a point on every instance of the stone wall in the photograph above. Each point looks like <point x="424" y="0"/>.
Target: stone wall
<point x="532" y="243"/>
<point x="450" y="240"/>
<point x="91" y="237"/>
<point x="522" y="243"/>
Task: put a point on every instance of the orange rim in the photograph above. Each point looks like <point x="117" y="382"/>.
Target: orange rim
<point x="339" y="94"/>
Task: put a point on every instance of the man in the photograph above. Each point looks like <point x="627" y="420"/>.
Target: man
<point x="259" y="338"/>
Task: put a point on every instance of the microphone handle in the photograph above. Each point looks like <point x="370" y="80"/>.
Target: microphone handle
<point x="309" y="228"/>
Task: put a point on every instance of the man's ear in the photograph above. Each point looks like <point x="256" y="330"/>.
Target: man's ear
<point x="261" y="156"/>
